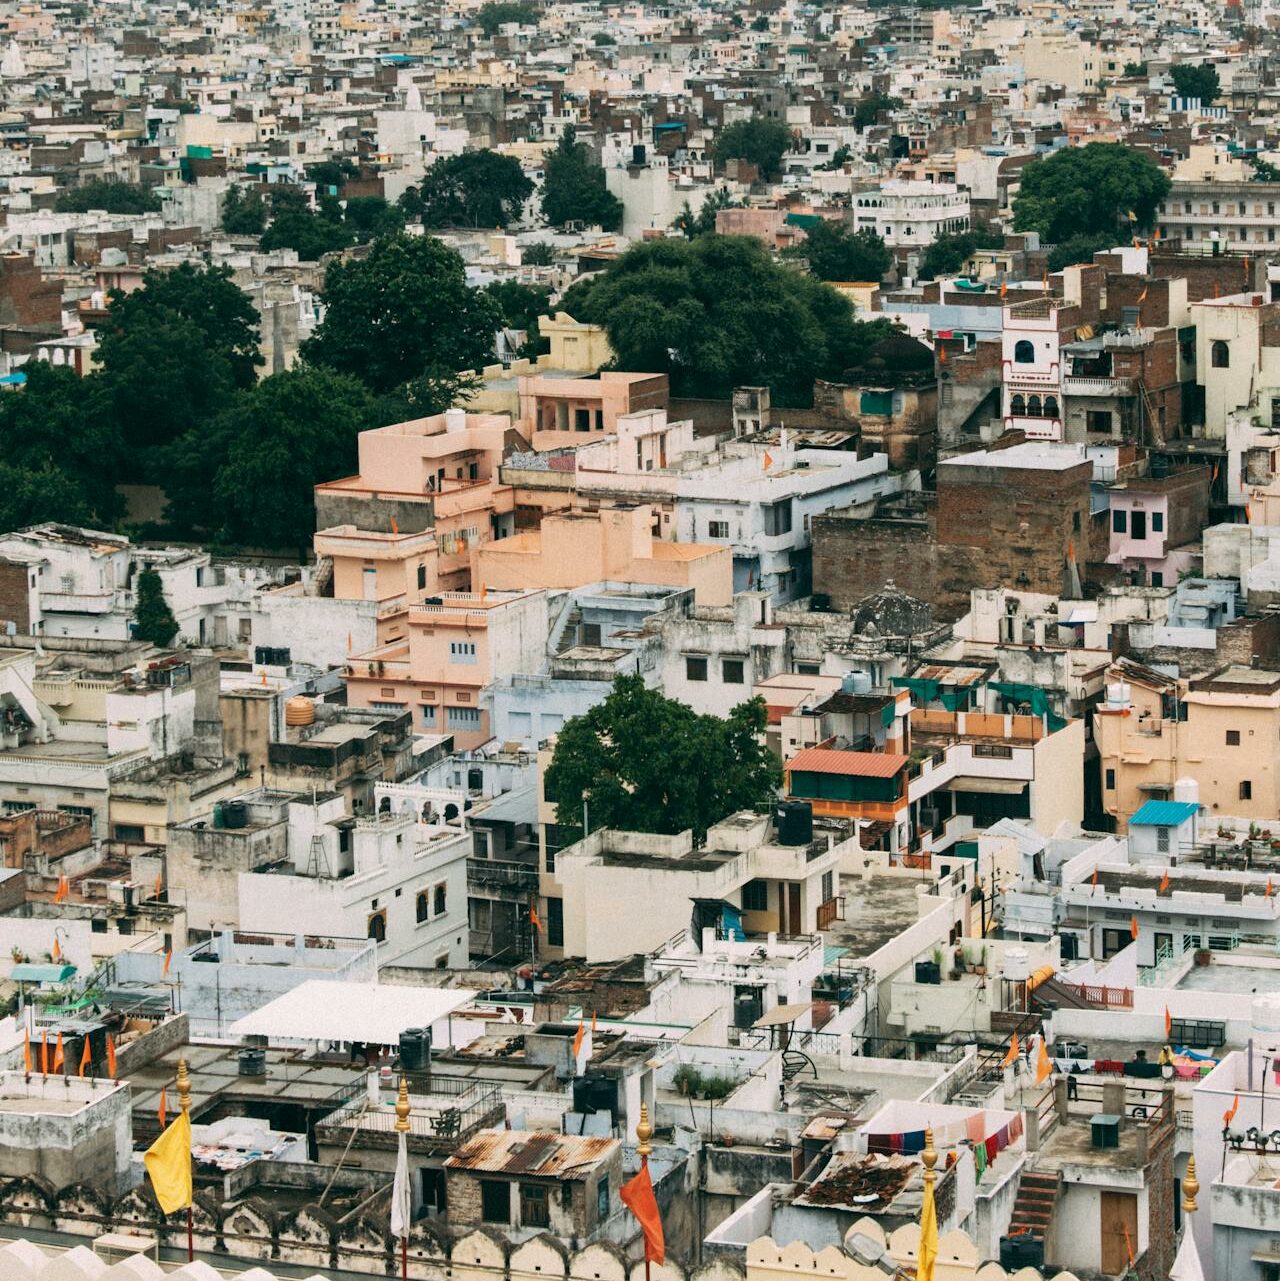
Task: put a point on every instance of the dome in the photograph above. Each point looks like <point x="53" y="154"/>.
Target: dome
<point x="900" y="353"/>
<point x="891" y="612"/>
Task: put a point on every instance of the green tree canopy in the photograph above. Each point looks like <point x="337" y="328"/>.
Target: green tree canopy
<point x="473" y="189"/>
<point x="518" y="305"/>
<point x="153" y="620"/>
<point x="762" y="143"/>
<point x="647" y="763"/>
<point x="369" y="217"/>
<point x="244" y="213"/>
<point x="1088" y="191"/>
<point x="61" y="450"/>
<point x="573" y="187"/>
<point x="497" y="13"/>
<point x="1192" y="80"/>
<point x="869" y="107"/>
<point x="1263" y="171"/>
<point x="539" y="254"/>
<point x="113" y="197"/>
<point x="720" y="312"/>
<point x="311" y="233"/>
<point x="836" y="252"/>
<point x="1135" y="69"/>
<point x="949" y="252"/>
<point x="331" y="173"/>
<point x="402" y="312"/>
<point x="172" y="352"/>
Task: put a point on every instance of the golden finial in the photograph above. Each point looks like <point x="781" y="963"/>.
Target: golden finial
<point x="402" y="1107"/>
<point x="644" y="1131"/>
<point x="1190" y="1186"/>
<point x="184" y="1086"/>
<point x="929" y="1156"/>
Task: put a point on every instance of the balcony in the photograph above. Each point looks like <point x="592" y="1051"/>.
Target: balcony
<point x="86" y="602"/>
<point x="1097" y="386"/>
<point x="495" y="874"/>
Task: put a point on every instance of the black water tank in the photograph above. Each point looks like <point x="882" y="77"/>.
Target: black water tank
<point x="795" y="822"/>
<point x="415" y="1049"/>
<point x="1026" y="1250"/>
<point x="638" y="153"/>
<point x="253" y="1061"/>
<point x="234" y="814"/>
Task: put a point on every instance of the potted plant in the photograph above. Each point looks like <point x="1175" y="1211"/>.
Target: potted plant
<point x="981" y="968"/>
<point x="686" y="1079"/>
<point x="1203" y="956"/>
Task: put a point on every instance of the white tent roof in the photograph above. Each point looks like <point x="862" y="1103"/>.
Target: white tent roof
<point x="319" y="1010"/>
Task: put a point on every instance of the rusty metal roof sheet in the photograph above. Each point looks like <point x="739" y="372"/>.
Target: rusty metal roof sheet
<point x="539" y="1152"/>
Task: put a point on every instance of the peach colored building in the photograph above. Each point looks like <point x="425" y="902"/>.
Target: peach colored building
<point x="559" y="411"/>
<point x="427" y="494"/>
<point x="435" y="658"/>
<point x="616" y="544"/>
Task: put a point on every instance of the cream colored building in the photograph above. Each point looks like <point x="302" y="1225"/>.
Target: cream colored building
<point x="1059" y="58"/>
<point x="1233" y="355"/>
<point x="1220" y="730"/>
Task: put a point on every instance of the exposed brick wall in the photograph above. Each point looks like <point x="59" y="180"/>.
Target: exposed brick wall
<point x="15" y="596"/>
<point x="26" y="297"/>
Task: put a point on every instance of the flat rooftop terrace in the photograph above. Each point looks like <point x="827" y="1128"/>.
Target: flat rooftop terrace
<point x="876" y="911"/>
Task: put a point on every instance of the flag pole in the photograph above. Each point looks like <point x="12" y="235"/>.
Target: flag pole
<point x="644" y="1132"/>
<point x="402" y="1128"/>
<point x="184" y="1103"/>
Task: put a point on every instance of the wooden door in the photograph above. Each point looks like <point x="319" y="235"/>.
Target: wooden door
<point x="793" y="909"/>
<point x="1119" y="1230"/>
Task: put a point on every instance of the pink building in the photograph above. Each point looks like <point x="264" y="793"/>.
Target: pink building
<point x="560" y="412"/>
<point x="434" y="659"/>
<point x="615" y="544"/>
<point x="426" y="496"/>
<point x="1155" y="521"/>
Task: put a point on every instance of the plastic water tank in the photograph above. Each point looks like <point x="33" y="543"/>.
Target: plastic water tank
<point x="1186" y="790"/>
<point x="795" y="822"/>
<point x="1117" y="694"/>
<point x="856" y="683"/>
<point x="300" y="711"/>
<point x="1016" y="966"/>
<point x="1264" y="1015"/>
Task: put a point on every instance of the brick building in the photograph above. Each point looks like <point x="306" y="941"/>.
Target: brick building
<point x="1016" y="516"/>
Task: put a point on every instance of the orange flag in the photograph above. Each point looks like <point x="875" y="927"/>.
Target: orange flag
<point x="1044" y="1064"/>
<point x="111" y="1056"/>
<point x="159" y="885"/>
<point x="637" y="1196"/>
<point x="533" y="916"/>
<point x="1004" y="288"/>
<point x="1168" y="1023"/>
<point x="768" y="460"/>
<point x="44" y="1053"/>
<point x="1270" y="890"/>
<point x="56" y="951"/>
<point x="84" y="1057"/>
<point x="163" y="1111"/>
<point x="1133" y="928"/>
<point x="1230" y="1114"/>
<point x="26" y="1052"/>
<point x="1093" y="880"/>
<point x="1164" y="882"/>
<point x="168" y="956"/>
<point x="942" y="355"/>
<point x="1013" y="1052"/>
<point x="57" y="1054"/>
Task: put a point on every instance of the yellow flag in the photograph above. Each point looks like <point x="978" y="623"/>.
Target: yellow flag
<point x="168" y="1162"/>
<point x="928" y="1234"/>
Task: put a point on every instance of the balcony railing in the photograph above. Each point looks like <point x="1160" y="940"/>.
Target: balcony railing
<point x="1097" y="386"/>
<point x="503" y="875"/>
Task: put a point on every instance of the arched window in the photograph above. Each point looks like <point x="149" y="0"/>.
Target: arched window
<point x="1033" y="406"/>
<point x="1024" y="352"/>
<point x="439" y="906"/>
<point x="1220" y="355"/>
<point x="378" y="926"/>
<point x="1018" y="405"/>
<point x="423" y="911"/>
<point x="1051" y="406"/>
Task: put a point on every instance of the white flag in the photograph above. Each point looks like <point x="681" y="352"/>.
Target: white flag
<point x="401" y="1199"/>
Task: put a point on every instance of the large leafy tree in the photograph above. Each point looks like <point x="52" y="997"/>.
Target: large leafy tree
<point x="368" y="217"/>
<point x="949" y="252"/>
<point x="869" y="107"/>
<point x="1089" y="190"/>
<point x="1196" y="81"/>
<point x="836" y="252"/>
<point x="573" y="188"/>
<point x="244" y="212"/>
<point x="61" y="452"/>
<point x="719" y="312"/>
<point x="174" y="351"/>
<point x="403" y="312"/>
<point x="497" y="13"/>
<point x="761" y="142"/>
<point x="648" y="763"/>
<point x="473" y="189"/>
<point x="311" y="233"/>
<point x="113" y="197"/>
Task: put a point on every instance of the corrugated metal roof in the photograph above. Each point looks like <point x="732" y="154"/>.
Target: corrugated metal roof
<point x="539" y="1152"/>
<point x="1164" y="814"/>
<point x="826" y="760"/>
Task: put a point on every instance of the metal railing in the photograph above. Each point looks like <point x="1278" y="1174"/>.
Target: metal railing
<point x="450" y="1112"/>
